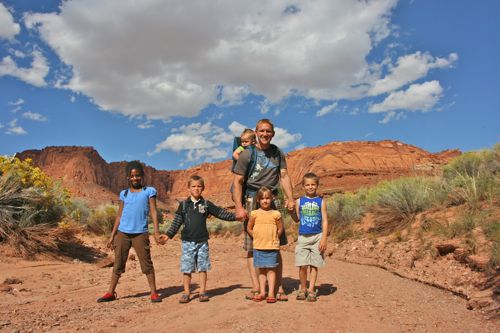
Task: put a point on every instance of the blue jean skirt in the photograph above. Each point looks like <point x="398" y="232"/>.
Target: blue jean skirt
<point x="265" y="258"/>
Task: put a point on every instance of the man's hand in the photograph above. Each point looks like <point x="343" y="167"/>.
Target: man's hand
<point x="290" y="204"/>
<point x="241" y="214"/>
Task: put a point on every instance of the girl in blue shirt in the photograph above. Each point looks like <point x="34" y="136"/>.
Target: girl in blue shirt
<point x="131" y="230"/>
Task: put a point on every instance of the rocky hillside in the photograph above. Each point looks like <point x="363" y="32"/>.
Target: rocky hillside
<point x="342" y="166"/>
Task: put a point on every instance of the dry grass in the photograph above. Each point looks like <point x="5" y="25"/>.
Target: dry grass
<point x="29" y="241"/>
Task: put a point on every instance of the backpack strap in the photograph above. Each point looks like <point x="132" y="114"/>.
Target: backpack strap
<point x="126" y="191"/>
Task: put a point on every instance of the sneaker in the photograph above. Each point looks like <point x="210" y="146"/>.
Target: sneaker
<point x="155" y="298"/>
<point x="107" y="298"/>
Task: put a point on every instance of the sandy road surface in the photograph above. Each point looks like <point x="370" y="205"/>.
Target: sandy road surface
<point x="60" y="297"/>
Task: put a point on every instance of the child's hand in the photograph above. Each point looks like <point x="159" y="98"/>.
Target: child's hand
<point x="322" y="245"/>
<point x="109" y="243"/>
<point x="162" y="239"/>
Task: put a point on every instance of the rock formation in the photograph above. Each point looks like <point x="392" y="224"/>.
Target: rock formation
<point x="342" y="166"/>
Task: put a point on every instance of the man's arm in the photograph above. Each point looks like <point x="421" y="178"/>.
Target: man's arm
<point x="238" y="181"/>
<point x="286" y="184"/>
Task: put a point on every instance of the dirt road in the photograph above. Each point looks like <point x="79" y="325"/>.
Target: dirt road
<point x="61" y="297"/>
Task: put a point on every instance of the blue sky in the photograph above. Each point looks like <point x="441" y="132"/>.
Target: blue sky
<point x="170" y="83"/>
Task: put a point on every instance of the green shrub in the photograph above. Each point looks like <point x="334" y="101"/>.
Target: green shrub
<point x="345" y="209"/>
<point x="399" y="200"/>
<point x="102" y="219"/>
<point x="31" y="205"/>
<point x="474" y="177"/>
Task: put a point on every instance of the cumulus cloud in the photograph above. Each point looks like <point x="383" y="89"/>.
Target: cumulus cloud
<point x="326" y="109"/>
<point x="418" y="97"/>
<point x="208" y="142"/>
<point x="34" y="116"/>
<point x="14" y="129"/>
<point x="154" y="61"/>
<point x="282" y="138"/>
<point x="8" y="28"/>
<point x="34" y="75"/>
<point x="410" y="68"/>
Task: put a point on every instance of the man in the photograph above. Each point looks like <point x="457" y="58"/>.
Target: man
<point x="270" y="170"/>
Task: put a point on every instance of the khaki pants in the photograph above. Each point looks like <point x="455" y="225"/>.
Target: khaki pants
<point x="140" y="243"/>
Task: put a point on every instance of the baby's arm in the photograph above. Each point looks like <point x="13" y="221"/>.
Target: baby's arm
<point x="237" y="152"/>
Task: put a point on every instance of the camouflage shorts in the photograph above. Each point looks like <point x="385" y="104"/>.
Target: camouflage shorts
<point x="249" y="206"/>
<point x="195" y="257"/>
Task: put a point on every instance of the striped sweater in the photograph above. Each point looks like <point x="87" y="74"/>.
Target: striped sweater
<point x="193" y="216"/>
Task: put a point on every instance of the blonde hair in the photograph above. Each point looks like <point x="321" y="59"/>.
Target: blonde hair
<point x="196" y="178"/>
<point x="248" y="133"/>
<point x="264" y="121"/>
<point x="311" y="176"/>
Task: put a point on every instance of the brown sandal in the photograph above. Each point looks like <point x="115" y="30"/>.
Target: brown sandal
<point x="301" y="295"/>
<point x="311" y="296"/>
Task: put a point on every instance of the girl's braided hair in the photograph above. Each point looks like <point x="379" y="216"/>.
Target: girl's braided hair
<point x="134" y="165"/>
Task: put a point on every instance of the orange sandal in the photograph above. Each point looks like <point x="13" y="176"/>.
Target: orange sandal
<point x="258" y="298"/>
<point x="271" y="300"/>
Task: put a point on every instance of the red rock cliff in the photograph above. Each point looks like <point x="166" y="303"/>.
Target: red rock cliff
<point x="342" y="166"/>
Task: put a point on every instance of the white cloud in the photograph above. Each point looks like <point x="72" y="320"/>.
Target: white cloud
<point x="14" y="129"/>
<point x="147" y="124"/>
<point x="410" y="68"/>
<point x="1" y="125"/>
<point x="8" y="28"/>
<point x="326" y="109"/>
<point x="72" y="98"/>
<point x="19" y="101"/>
<point x="284" y="139"/>
<point x="233" y="95"/>
<point x="208" y="142"/>
<point x="34" y="75"/>
<point x="418" y="97"/>
<point x="236" y="128"/>
<point x="34" y="116"/>
<point x="154" y="61"/>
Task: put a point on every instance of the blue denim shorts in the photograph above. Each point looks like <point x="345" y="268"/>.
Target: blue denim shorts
<point x="195" y="257"/>
<point x="265" y="258"/>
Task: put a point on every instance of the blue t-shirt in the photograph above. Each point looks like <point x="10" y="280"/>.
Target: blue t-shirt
<point x="310" y="215"/>
<point x="134" y="219"/>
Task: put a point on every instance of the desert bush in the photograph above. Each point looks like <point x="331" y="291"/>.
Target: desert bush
<point x="102" y="219"/>
<point x="30" y="208"/>
<point x="78" y="211"/>
<point x="53" y="198"/>
<point x="344" y="233"/>
<point x="345" y="209"/>
<point x="399" y="200"/>
<point x="474" y="177"/>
